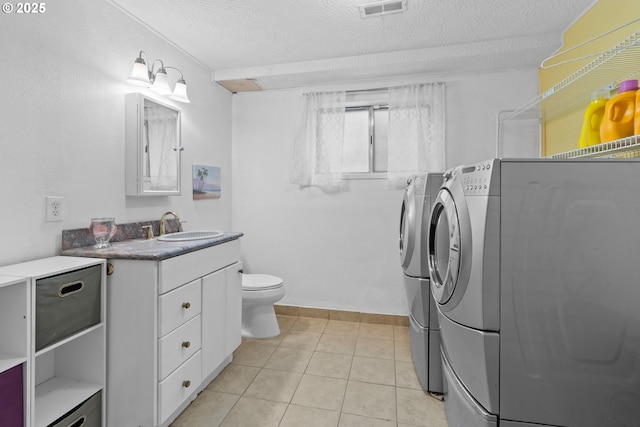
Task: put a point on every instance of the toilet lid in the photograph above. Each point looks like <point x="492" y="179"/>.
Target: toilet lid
<point x="260" y="282"/>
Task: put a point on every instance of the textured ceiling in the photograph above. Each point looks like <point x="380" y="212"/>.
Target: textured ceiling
<point x="292" y="43"/>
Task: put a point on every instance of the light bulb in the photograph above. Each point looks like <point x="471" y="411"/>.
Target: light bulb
<point x="139" y="75"/>
<point x="180" y="92"/>
<point x="160" y="84"/>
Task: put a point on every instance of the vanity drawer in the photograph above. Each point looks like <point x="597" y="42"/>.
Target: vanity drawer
<point x="181" y="269"/>
<point x="67" y="303"/>
<point x="178" y="306"/>
<point x="178" y="346"/>
<point x="179" y="386"/>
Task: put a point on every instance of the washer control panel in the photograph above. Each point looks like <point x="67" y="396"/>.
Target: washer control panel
<point x="476" y="178"/>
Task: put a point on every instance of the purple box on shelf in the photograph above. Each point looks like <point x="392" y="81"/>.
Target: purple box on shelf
<point x="11" y="398"/>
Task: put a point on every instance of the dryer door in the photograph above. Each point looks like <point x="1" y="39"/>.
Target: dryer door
<point x="407" y="225"/>
<point x="444" y="247"/>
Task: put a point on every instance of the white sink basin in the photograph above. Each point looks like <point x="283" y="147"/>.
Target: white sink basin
<point x="182" y="236"/>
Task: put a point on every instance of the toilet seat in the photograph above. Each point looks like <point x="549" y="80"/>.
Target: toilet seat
<point x="260" y="282"/>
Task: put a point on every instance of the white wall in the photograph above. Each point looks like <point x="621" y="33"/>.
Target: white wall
<point x="340" y="250"/>
<point x="62" y="122"/>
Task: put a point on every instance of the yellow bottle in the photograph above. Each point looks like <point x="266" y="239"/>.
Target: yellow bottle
<point x="636" y="126"/>
<point x="590" y="134"/>
<point x="619" y="113"/>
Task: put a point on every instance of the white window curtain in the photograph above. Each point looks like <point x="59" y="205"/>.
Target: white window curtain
<point x="416" y="131"/>
<point x="416" y="135"/>
<point x="318" y="138"/>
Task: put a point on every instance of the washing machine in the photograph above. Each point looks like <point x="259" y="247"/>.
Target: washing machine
<point x="535" y="274"/>
<point x="424" y="333"/>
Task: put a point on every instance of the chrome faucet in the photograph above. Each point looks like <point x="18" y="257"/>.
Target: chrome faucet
<point x="162" y="222"/>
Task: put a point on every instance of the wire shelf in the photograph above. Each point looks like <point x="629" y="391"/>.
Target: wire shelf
<point x="573" y="94"/>
<point x="621" y="62"/>
<point x="620" y="148"/>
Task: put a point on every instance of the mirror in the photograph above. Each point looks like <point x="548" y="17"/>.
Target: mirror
<point x="153" y="146"/>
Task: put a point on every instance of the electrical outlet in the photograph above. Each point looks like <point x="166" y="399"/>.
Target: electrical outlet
<point x="55" y="208"/>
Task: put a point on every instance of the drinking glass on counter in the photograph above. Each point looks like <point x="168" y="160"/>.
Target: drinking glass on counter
<point x="103" y="229"/>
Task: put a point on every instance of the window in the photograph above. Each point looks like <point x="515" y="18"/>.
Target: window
<point x="391" y="133"/>
<point x="365" y="147"/>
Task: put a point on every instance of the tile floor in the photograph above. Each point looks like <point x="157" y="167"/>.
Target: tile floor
<point x="318" y="373"/>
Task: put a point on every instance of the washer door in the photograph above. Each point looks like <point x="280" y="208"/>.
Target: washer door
<point x="444" y="247"/>
<point x="407" y="225"/>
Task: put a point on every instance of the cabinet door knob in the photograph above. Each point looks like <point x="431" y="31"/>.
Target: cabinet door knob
<point x="186" y="384"/>
<point x="186" y="305"/>
<point x="186" y="344"/>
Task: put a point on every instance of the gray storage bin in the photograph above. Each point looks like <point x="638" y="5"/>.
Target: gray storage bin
<point x="66" y="304"/>
<point x="87" y="414"/>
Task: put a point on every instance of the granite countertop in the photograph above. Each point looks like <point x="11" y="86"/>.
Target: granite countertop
<point x="148" y="249"/>
<point x="129" y="243"/>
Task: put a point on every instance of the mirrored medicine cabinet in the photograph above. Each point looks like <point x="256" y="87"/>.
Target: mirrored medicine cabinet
<point x="153" y="146"/>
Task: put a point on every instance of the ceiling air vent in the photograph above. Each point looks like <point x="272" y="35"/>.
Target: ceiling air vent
<point x="382" y="8"/>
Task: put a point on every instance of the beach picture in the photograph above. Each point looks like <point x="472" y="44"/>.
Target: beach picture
<point x="206" y="182"/>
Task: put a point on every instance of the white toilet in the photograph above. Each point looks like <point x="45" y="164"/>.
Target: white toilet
<point x="259" y="293"/>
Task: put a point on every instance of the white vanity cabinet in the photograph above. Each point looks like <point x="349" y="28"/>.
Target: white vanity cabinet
<point x="222" y="312"/>
<point x="174" y="325"/>
<point x="52" y="325"/>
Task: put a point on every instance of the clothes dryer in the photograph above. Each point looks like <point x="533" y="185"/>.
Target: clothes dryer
<point x="414" y="264"/>
<point x="424" y="331"/>
<point x="463" y="258"/>
<point x="534" y="269"/>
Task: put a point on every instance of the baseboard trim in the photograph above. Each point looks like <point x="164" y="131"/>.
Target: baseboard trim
<point x="351" y="316"/>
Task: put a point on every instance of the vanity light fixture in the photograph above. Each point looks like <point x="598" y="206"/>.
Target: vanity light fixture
<point x="156" y="79"/>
